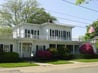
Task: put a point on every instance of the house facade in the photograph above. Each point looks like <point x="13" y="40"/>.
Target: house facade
<point x="28" y="38"/>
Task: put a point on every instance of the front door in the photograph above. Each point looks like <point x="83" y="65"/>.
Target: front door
<point x="27" y="47"/>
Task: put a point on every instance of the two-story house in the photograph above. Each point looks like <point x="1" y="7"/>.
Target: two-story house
<point x="28" y="38"/>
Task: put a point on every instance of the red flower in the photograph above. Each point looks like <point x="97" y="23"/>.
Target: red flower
<point x="43" y="54"/>
<point x="86" y="49"/>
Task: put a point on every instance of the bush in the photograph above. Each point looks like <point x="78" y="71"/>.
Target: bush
<point x="86" y="56"/>
<point x="64" y="53"/>
<point x="43" y="54"/>
<point x="86" y="49"/>
<point x="9" y="57"/>
<point x="54" y="52"/>
<point x="89" y="56"/>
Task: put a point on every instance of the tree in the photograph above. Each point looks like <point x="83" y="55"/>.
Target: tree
<point x="5" y="31"/>
<point x="78" y="2"/>
<point x="40" y="17"/>
<point x="14" y="12"/>
<point x="91" y="35"/>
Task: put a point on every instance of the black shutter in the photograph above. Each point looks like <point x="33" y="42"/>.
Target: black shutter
<point x="11" y="48"/>
<point x="1" y="47"/>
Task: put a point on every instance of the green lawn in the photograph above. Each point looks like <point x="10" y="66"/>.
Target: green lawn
<point x="86" y="60"/>
<point x="19" y="64"/>
<point x="59" y="62"/>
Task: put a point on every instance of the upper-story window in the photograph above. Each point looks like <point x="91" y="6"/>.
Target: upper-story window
<point x="58" y="34"/>
<point x="26" y="32"/>
<point x="31" y="33"/>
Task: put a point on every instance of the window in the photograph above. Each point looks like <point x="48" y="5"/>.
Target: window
<point x="56" y="32"/>
<point x="26" y="33"/>
<point x="38" y="32"/>
<point x="1" y="46"/>
<point x="32" y="32"/>
<point x="59" y="33"/>
<point x="6" y="48"/>
<point x="40" y="47"/>
<point x="52" y="45"/>
<point x="69" y="36"/>
<point x="64" y="35"/>
<point x="50" y="32"/>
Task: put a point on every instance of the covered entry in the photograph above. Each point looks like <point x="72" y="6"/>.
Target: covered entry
<point x="26" y="49"/>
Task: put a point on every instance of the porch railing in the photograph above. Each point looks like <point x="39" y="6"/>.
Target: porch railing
<point x="41" y="37"/>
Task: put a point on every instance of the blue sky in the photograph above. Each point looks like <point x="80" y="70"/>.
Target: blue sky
<point x="53" y="6"/>
<point x="61" y="9"/>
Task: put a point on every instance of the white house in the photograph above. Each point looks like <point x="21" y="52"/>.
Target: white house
<point x="28" y="38"/>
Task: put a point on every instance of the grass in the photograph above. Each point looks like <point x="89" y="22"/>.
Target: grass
<point x="86" y="60"/>
<point x="59" y="62"/>
<point x="19" y="64"/>
<point x="55" y="62"/>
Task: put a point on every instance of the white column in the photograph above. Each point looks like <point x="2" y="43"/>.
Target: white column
<point x="21" y="50"/>
<point x="73" y="49"/>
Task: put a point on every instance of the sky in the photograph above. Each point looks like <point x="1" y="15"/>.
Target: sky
<point x="61" y="9"/>
<point x="65" y="12"/>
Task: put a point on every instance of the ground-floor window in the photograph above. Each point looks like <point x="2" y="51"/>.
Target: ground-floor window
<point x="52" y="46"/>
<point x="6" y="48"/>
<point x="70" y="47"/>
<point x="60" y="46"/>
<point x="76" y="49"/>
<point x="40" y="47"/>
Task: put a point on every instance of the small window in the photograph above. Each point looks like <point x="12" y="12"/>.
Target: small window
<point x="44" y="47"/>
<point x="26" y="32"/>
<point x="32" y="32"/>
<point x="38" y="32"/>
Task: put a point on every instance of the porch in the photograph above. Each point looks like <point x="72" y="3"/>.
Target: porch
<point x="26" y="48"/>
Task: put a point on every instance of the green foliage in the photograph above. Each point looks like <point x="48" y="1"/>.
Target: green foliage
<point x="9" y="57"/>
<point x="92" y="35"/>
<point x="96" y="44"/>
<point x="13" y="12"/>
<point x="61" y="53"/>
<point x="5" y="31"/>
<point x="64" y="53"/>
<point x="54" y="52"/>
<point x="40" y="17"/>
<point x="17" y="64"/>
<point x="86" y="56"/>
<point x="79" y="2"/>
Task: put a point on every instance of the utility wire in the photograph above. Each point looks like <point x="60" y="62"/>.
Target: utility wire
<point x="80" y="6"/>
<point x="72" y="20"/>
<point x="69" y="15"/>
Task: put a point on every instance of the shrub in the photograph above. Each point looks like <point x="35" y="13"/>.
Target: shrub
<point x="43" y="54"/>
<point x="86" y="56"/>
<point x="9" y="57"/>
<point x="64" y="53"/>
<point x="54" y="52"/>
<point x="86" y="49"/>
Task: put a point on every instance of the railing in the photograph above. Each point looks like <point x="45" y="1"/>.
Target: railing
<point x="42" y="37"/>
